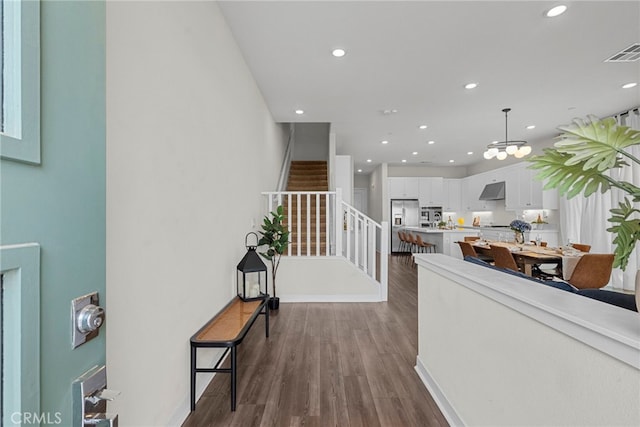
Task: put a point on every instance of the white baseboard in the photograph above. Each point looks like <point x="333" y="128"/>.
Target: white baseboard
<point x="331" y="298"/>
<point x="438" y="396"/>
<point x="202" y="382"/>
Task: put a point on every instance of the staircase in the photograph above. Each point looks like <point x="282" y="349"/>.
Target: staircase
<point x="307" y="176"/>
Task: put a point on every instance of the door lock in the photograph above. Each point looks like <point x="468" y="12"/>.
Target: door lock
<point x="86" y="317"/>
<point x="90" y="318"/>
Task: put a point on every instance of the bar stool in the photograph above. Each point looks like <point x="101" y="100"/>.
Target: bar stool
<point x="423" y="246"/>
<point x="412" y="245"/>
<point x="403" y="241"/>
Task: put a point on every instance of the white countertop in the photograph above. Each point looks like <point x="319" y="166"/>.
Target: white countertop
<point x="551" y="228"/>
<point x="469" y="229"/>
<point x="435" y="230"/>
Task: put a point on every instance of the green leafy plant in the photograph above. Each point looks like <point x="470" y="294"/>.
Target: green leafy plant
<point x="275" y="236"/>
<point x="580" y="163"/>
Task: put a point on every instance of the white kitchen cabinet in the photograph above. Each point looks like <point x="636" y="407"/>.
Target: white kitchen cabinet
<point x="524" y="191"/>
<point x="451" y="195"/>
<point x="449" y="242"/>
<point x="472" y="187"/>
<point x="430" y="191"/>
<point x="403" y="187"/>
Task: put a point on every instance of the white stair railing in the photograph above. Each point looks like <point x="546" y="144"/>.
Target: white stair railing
<point x="344" y="231"/>
<point x="361" y="236"/>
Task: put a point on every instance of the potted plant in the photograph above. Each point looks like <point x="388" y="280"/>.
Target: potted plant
<point x="581" y="161"/>
<point x="519" y="227"/>
<point x="275" y="236"/>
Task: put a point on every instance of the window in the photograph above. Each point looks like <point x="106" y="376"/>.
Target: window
<point x="20" y="80"/>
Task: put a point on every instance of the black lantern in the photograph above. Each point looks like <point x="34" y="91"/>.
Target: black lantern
<point x="251" y="281"/>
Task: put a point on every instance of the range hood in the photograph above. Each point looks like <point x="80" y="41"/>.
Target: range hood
<point x="493" y="191"/>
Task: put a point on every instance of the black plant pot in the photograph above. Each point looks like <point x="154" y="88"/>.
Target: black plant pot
<point x="274" y="303"/>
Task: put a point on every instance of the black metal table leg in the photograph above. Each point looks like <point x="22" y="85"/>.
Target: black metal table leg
<point x="266" y="318"/>
<point x="193" y="378"/>
<point x="233" y="378"/>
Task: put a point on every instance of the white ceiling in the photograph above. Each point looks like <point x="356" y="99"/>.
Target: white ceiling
<point x="417" y="56"/>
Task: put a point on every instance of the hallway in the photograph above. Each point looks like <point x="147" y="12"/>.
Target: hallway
<point x="329" y="364"/>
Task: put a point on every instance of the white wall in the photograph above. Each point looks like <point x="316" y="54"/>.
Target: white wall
<point x="437" y="171"/>
<point x="312" y="141"/>
<point x="378" y="211"/>
<point x="361" y="181"/>
<point x="190" y="146"/>
<point x="344" y="177"/>
<point x="501" y="350"/>
<point x="302" y="279"/>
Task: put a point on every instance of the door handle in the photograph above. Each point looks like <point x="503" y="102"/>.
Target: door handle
<point x="90" y="396"/>
<point x="102" y="420"/>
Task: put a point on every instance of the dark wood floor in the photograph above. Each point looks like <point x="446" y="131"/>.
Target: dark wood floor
<point x="329" y="364"/>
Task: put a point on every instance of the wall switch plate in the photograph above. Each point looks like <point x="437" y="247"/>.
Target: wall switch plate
<point x="86" y="318"/>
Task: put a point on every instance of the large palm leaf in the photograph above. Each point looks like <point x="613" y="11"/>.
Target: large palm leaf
<point x="580" y="163"/>
<point x="597" y="143"/>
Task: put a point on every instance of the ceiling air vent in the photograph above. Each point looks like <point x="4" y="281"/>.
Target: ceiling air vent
<point x="630" y="54"/>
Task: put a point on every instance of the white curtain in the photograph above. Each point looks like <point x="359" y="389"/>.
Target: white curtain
<point x="584" y="220"/>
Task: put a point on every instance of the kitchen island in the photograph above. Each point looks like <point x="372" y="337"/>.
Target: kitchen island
<point x="445" y="240"/>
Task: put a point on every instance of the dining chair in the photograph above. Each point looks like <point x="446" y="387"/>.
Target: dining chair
<point x="581" y="247"/>
<point x="592" y="271"/>
<point x="503" y="258"/>
<point x="471" y="239"/>
<point x="468" y="250"/>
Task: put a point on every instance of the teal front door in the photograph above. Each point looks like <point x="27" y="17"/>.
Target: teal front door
<point x="52" y="202"/>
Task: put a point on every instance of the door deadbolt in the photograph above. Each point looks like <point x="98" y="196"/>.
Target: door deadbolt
<point x="86" y="317"/>
<point x="90" y="318"/>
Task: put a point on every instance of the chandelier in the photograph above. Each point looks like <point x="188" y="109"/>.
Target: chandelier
<point x="501" y="149"/>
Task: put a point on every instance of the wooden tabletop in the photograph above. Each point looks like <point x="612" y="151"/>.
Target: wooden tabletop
<point x="529" y="251"/>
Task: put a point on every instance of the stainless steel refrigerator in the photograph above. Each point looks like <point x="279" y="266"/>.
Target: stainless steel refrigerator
<point x="404" y="213"/>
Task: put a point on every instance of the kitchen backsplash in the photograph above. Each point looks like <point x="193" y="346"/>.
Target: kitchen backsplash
<point x="500" y="216"/>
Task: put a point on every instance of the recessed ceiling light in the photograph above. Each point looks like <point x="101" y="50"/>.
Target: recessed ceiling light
<point x="389" y="111"/>
<point x="422" y="126"/>
<point x="404" y="160"/>
<point x="359" y="170"/>
<point x="531" y="127"/>
<point x="629" y="85"/>
<point x="471" y="85"/>
<point x="415" y="153"/>
<point x="451" y="161"/>
<point x="385" y="141"/>
<point x="555" y="11"/>
<point x="299" y="112"/>
<point x="338" y="53"/>
<point x="469" y="152"/>
<point x="431" y="142"/>
<point x="368" y="160"/>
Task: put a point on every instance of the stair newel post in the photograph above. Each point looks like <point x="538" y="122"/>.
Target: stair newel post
<point x="338" y="225"/>
<point x="384" y="259"/>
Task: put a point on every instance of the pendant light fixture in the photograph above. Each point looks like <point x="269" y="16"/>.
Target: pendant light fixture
<point x="501" y="149"/>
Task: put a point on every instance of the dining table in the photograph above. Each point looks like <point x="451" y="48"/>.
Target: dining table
<point x="528" y="254"/>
